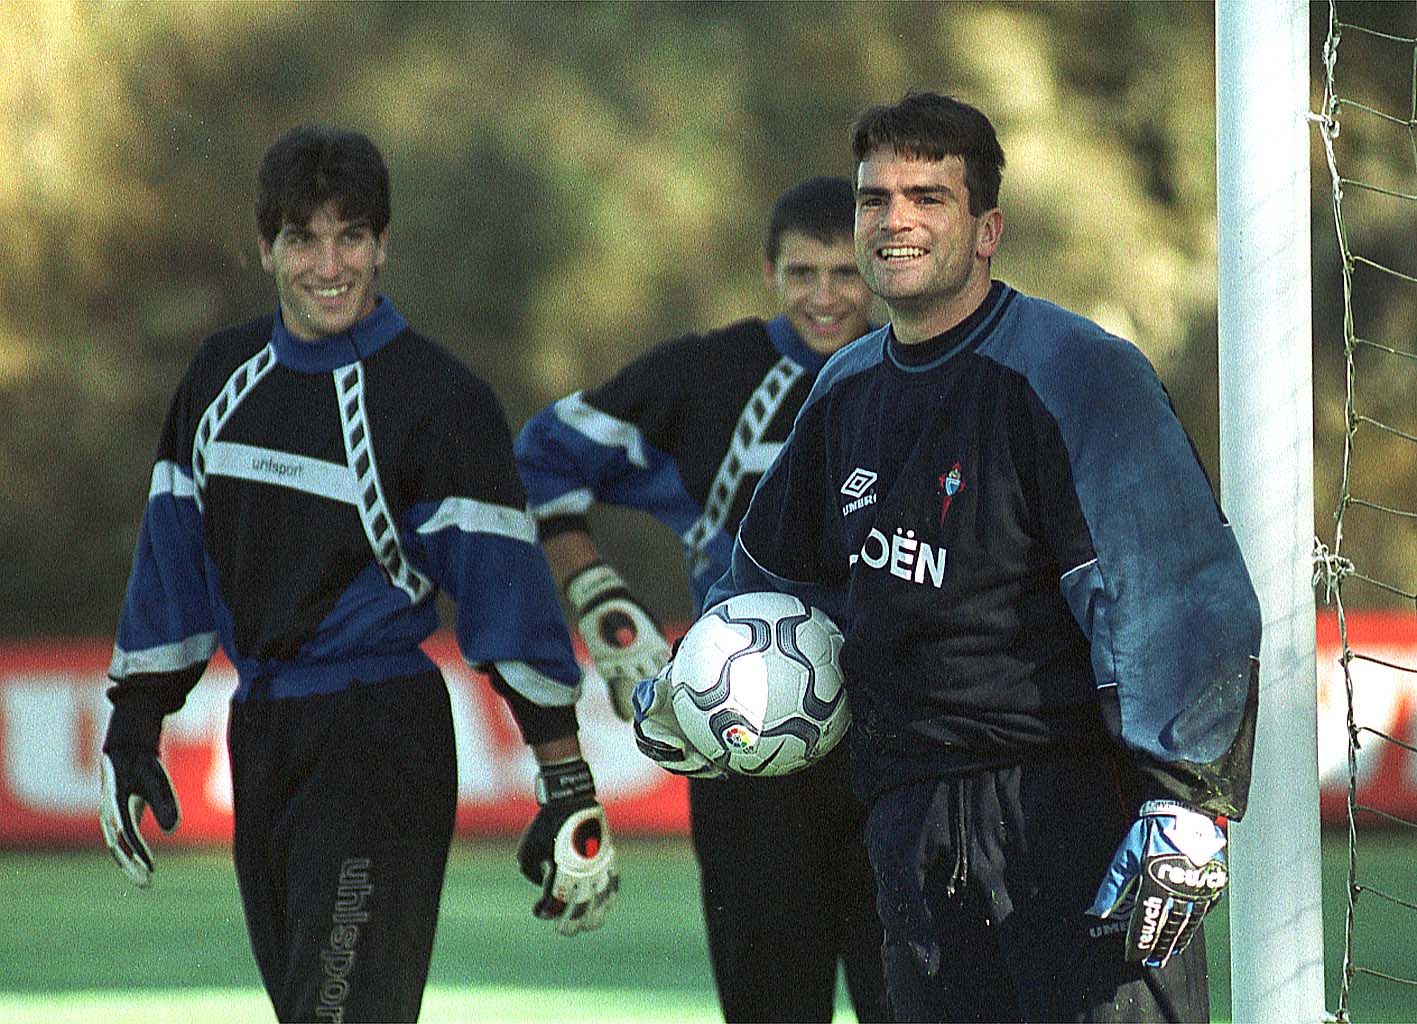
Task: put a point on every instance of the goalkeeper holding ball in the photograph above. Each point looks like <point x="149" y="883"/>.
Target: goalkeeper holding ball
<point x="683" y="433"/>
<point x="1051" y="641"/>
<point x="321" y="474"/>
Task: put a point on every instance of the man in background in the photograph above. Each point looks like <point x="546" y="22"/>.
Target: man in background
<point x="322" y="473"/>
<point x="683" y="433"/>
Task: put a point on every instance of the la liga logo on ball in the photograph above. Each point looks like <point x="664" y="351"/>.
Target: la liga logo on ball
<point x="757" y="686"/>
<point x="739" y="737"/>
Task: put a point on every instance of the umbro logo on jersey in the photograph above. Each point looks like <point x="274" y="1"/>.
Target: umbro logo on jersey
<point x="856" y="487"/>
<point x="858" y="482"/>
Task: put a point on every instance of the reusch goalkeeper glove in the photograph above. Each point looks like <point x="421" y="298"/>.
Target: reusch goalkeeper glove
<point x="659" y="735"/>
<point x="621" y="637"/>
<point x="566" y="850"/>
<point x="132" y="781"/>
<point x="1167" y="873"/>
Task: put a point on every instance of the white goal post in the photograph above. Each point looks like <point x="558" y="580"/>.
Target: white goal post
<point x="1267" y="490"/>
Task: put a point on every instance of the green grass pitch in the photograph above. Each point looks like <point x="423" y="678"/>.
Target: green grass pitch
<point x="80" y="944"/>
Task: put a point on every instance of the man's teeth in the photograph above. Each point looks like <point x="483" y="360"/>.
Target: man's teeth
<point x="901" y="252"/>
<point x="330" y="293"/>
<point x="823" y="319"/>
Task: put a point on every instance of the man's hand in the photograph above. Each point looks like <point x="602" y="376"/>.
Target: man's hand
<point x="566" y="850"/>
<point x="622" y="638"/>
<point x="132" y="781"/>
<point x="658" y="735"/>
<point x="1167" y="873"/>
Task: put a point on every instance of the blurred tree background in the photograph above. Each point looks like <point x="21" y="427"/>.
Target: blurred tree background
<point x="573" y="182"/>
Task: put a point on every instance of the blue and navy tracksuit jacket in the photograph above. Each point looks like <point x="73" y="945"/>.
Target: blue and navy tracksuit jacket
<point x="682" y="433"/>
<point x="308" y="501"/>
<point x="1017" y="538"/>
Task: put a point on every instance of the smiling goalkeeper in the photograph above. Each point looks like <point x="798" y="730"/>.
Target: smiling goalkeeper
<point x="1051" y="640"/>
<point x="323" y="473"/>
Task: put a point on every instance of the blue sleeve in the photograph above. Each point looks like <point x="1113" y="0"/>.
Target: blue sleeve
<point x="470" y="533"/>
<point x="166" y="622"/>
<point x="486" y="558"/>
<point x="1152" y="571"/>
<point x="166" y="630"/>
<point x="572" y="455"/>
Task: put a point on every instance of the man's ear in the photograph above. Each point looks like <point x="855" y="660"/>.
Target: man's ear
<point x="769" y="272"/>
<point x="381" y="252"/>
<point x="991" y="231"/>
<point x="268" y="263"/>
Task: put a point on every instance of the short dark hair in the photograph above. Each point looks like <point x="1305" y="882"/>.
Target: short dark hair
<point x="823" y="208"/>
<point x="928" y="126"/>
<point x="310" y="165"/>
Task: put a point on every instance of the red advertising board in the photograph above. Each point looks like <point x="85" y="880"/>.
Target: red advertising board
<point x="53" y="711"/>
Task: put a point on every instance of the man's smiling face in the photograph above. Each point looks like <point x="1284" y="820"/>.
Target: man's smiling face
<point x="325" y="272"/>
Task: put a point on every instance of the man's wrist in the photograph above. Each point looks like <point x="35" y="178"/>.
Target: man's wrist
<point x="1168" y="807"/>
<point x="134" y="725"/>
<point x="593" y="585"/>
<point x="564" y="780"/>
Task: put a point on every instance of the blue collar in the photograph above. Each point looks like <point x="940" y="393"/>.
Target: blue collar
<point x="359" y="342"/>
<point x="789" y="343"/>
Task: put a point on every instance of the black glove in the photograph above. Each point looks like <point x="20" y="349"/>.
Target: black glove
<point x="133" y="780"/>
<point x="566" y="850"/>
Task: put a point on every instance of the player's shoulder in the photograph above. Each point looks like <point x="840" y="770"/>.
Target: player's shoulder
<point x="1062" y="353"/>
<point x="738" y="340"/>
<point x="674" y="370"/>
<point x="427" y="370"/>
<point x="224" y="351"/>
<point x="851" y="361"/>
<point x="237" y="341"/>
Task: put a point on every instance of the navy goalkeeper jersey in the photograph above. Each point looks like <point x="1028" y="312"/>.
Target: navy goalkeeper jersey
<point x="682" y="433"/>
<point x="307" y="502"/>
<point x="1020" y="544"/>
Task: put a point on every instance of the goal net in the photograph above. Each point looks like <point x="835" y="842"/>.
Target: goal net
<point x="1367" y="123"/>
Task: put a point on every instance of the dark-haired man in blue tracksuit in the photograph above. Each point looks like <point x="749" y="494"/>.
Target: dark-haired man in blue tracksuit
<point x="1051" y="641"/>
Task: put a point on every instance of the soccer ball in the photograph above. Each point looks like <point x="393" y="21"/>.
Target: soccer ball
<point x="756" y="685"/>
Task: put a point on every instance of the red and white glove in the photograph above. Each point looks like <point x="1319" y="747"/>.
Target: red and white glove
<point x="567" y="851"/>
<point x="622" y="638"/>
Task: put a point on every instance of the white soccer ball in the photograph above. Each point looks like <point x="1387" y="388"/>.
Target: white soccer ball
<point x="757" y="687"/>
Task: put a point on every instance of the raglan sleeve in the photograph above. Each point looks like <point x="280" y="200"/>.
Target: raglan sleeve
<point x="1153" y="574"/>
<point x="790" y="539"/>
<point x="608" y="445"/>
<point x="467" y="528"/>
<point x="166" y="632"/>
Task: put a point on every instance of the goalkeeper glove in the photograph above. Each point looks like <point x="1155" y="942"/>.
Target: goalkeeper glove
<point x="1167" y="873"/>
<point x="133" y="780"/>
<point x="621" y="637"/>
<point x="659" y="735"/>
<point x="566" y="850"/>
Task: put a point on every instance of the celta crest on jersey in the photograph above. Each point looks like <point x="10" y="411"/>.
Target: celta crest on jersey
<point x="950" y="484"/>
<point x="903" y="556"/>
<point x="856" y="487"/>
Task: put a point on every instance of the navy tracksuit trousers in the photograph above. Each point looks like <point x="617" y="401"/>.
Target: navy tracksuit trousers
<point x="983" y="882"/>
<point x="788" y="894"/>
<point x="344" y="807"/>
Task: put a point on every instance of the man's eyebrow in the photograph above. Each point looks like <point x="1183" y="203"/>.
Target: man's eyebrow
<point x="909" y="190"/>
